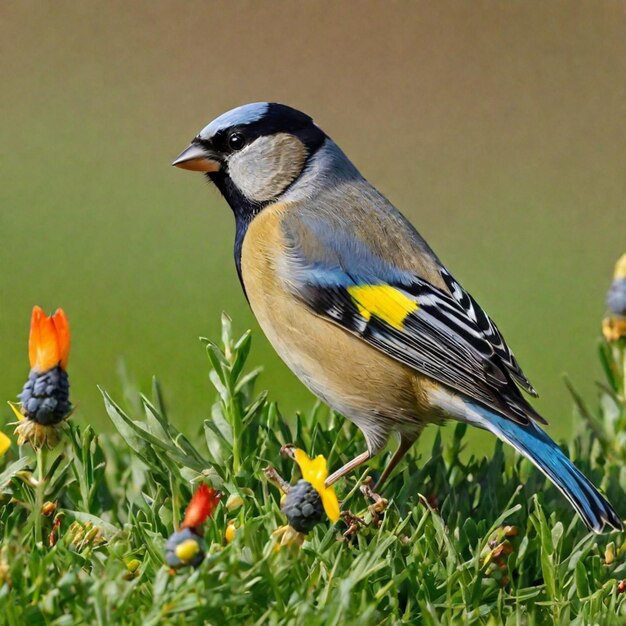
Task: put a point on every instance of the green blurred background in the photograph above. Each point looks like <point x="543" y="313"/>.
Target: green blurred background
<point x="498" y="128"/>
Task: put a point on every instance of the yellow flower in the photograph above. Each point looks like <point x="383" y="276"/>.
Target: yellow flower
<point x="5" y="443"/>
<point x="315" y="471"/>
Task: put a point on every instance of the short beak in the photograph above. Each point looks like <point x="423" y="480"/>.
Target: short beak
<point x="197" y="159"/>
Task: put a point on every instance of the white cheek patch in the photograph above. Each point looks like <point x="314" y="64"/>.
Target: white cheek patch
<point x="264" y="169"/>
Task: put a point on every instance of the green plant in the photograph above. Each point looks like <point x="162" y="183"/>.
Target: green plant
<point x="463" y="540"/>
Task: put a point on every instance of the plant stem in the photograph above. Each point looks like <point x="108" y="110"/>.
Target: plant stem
<point x="39" y="493"/>
<point x="175" y="502"/>
<point x="234" y="413"/>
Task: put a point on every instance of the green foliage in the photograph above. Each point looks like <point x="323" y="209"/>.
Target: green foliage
<point x="604" y="433"/>
<point x="462" y="541"/>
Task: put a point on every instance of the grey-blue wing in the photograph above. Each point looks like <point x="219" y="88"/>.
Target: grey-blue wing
<point x="339" y="277"/>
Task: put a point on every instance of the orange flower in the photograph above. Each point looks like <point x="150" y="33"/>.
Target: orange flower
<point x="201" y="506"/>
<point x="45" y="397"/>
<point x="186" y="546"/>
<point x="49" y="341"/>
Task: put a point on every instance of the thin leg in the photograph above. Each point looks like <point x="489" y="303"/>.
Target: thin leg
<point x="348" y="467"/>
<point x="403" y="448"/>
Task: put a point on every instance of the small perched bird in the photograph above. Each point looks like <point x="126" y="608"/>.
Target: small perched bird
<point x="358" y="305"/>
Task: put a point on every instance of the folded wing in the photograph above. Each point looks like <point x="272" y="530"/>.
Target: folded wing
<point x="338" y="276"/>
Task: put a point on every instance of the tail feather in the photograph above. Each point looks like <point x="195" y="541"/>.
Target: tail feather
<point x="536" y="446"/>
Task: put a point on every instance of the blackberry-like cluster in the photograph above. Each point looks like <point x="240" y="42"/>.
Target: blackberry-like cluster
<point x="303" y="506"/>
<point x="616" y="298"/>
<point x="45" y="397"/>
<point x="184" y="547"/>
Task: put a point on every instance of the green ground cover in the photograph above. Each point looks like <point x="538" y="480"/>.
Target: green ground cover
<point x="465" y="539"/>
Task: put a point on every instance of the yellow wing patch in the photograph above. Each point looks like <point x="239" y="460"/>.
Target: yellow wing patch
<point x="386" y="303"/>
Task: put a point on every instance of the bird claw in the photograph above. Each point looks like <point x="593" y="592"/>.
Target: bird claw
<point x="276" y="479"/>
<point x="354" y="524"/>
<point x="272" y="474"/>
<point x="288" y="450"/>
<point x="379" y="505"/>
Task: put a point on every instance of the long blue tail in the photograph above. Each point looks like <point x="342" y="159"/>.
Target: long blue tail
<point x="536" y="446"/>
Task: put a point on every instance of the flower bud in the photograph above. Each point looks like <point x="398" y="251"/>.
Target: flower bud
<point x="234" y="502"/>
<point x="230" y="532"/>
<point x="48" y="508"/>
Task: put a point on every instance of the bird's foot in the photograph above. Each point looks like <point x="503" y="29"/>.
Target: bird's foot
<point x="354" y="524"/>
<point x="276" y="479"/>
<point x="288" y="450"/>
<point x="379" y="504"/>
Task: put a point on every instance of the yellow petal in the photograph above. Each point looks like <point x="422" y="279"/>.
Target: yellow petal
<point x="315" y="471"/>
<point x="302" y="459"/>
<point x="620" y="267"/>
<point x="5" y="443"/>
<point x="15" y="410"/>
<point x="330" y="502"/>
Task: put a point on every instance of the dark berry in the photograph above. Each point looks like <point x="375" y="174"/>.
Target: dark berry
<point x="45" y="396"/>
<point x="175" y="548"/>
<point x="303" y="506"/>
<point x="616" y="298"/>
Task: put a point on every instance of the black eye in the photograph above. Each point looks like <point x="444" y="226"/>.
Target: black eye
<point x="236" y="141"/>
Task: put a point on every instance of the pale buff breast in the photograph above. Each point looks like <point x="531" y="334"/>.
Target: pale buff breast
<point x="375" y="392"/>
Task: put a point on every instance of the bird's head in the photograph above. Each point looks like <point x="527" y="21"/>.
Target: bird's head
<point x="253" y="153"/>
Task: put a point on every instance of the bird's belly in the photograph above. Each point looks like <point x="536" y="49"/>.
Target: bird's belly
<point x="378" y="394"/>
<point x="351" y="377"/>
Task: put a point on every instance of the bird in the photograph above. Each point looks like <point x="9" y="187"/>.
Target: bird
<point x="359" y="306"/>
